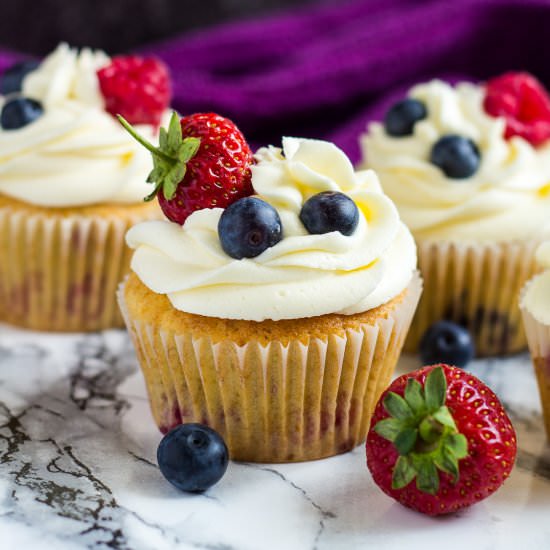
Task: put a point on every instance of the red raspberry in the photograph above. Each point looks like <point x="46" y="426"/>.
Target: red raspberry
<point x="138" y="88"/>
<point x="523" y="101"/>
<point x="203" y="161"/>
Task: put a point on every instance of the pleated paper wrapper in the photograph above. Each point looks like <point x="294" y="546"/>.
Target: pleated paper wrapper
<point x="477" y="286"/>
<point x="274" y="402"/>
<point x="61" y="273"/>
<point x="538" y="338"/>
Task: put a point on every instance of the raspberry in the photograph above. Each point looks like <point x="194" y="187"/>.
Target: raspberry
<point x="523" y="101"/>
<point x="138" y="88"/>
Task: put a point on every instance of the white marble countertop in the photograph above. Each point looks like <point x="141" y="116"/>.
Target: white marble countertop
<point x="77" y="470"/>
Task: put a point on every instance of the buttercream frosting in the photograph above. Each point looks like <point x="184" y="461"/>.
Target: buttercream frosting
<point x="536" y="296"/>
<point x="508" y="198"/>
<point x="303" y="275"/>
<point x="76" y="153"/>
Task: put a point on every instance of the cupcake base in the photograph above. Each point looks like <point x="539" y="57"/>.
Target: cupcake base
<point x="60" y="267"/>
<point x="282" y="391"/>
<point x="477" y="286"/>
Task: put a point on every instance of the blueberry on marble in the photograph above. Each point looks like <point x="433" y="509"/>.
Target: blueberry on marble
<point x="447" y="342"/>
<point x="330" y="211"/>
<point x="18" y="112"/>
<point x="192" y="457"/>
<point x="403" y="115"/>
<point x="457" y="156"/>
<point x="248" y="227"/>
<point x="12" y="79"/>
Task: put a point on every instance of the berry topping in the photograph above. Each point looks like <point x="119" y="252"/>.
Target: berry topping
<point x="440" y="440"/>
<point x="248" y="227"/>
<point x="12" y="79"/>
<point x="522" y="100"/>
<point x="137" y="88"/>
<point x="330" y="211"/>
<point x="203" y="161"/>
<point x="19" y="112"/>
<point x="447" y="342"/>
<point x="457" y="156"/>
<point x="192" y="457"/>
<point x="403" y="115"/>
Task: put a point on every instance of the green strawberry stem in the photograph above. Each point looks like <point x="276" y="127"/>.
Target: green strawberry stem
<point x="170" y="158"/>
<point x="424" y="433"/>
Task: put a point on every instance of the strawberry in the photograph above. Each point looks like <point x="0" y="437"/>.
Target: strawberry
<point x="439" y="440"/>
<point x="522" y="100"/>
<point x="137" y="88"/>
<point x="203" y="161"/>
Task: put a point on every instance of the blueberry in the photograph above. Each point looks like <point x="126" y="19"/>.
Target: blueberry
<point x="12" y="79"/>
<point x="447" y="342"/>
<point x="403" y="115"/>
<point x="330" y="211"/>
<point x="192" y="457"/>
<point x="248" y="227"/>
<point x="457" y="156"/>
<point x="19" y="112"/>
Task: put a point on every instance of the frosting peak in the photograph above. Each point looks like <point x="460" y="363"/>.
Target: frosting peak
<point x="536" y="295"/>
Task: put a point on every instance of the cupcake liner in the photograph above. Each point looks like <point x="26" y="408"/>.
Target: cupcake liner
<point x="302" y="400"/>
<point x="61" y="272"/>
<point x="477" y="286"/>
<point x="538" y="338"/>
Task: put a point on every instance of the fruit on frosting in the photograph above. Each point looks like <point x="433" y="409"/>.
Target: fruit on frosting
<point x="330" y="211"/>
<point x="457" y="156"/>
<point x="12" y="79"/>
<point x="248" y="227"/>
<point x="138" y="88"/>
<point x="19" y="112"/>
<point x="403" y="115"/>
<point x="440" y="440"/>
<point x="523" y="101"/>
<point x="202" y="161"/>
<point x="192" y="457"/>
<point x="447" y="342"/>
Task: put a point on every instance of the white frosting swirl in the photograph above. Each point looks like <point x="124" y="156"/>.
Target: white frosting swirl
<point x="76" y="153"/>
<point x="536" y="297"/>
<point x="507" y="198"/>
<point x="303" y="275"/>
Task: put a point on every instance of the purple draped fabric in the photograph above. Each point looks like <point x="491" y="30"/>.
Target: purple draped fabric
<point x="325" y="71"/>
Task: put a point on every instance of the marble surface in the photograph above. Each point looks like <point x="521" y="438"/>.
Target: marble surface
<point x="77" y="469"/>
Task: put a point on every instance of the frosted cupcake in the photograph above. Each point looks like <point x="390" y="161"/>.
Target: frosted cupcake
<point x="535" y="308"/>
<point x="71" y="183"/>
<point x="468" y="168"/>
<point x="279" y="319"/>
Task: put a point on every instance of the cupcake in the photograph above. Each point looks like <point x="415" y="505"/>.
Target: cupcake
<point x="468" y="168"/>
<point x="277" y="319"/>
<point x="71" y="184"/>
<point x="535" y="308"/>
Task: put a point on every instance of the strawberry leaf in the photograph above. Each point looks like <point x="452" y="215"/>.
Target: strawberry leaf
<point x="444" y="416"/>
<point x="388" y="428"/>
<point x="397" y="406"/>
<point x="435" y="389"/>
<point x="427" y="477"/>
<point x="458" y="444"/>
<point x="414" y="396"/>
<point x="447" y="462"/>
<point x="406" y="440"/>
<point x="403" y="473"/>
<point x="174" y="133"/>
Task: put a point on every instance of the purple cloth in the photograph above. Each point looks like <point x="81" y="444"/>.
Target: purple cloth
<point x="325" y="71"/>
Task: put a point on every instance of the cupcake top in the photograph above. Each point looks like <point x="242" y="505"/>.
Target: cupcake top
<point x="60" y="144"/>
<point x="326" y="240"/>
<point x="467" y="163"/>
<point x="536" y="296"/>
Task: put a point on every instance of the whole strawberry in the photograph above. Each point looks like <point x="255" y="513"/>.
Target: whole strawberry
<point x="440" y="440"/>
<point x="203" y="161"/>
<point x="138" y="88"/>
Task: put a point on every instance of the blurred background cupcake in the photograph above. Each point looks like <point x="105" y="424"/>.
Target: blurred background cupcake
<point x="468" y="167"/>
<point x="535" y="308"/>
<point x="72" y="182"/>
<point x="278" y="320"/>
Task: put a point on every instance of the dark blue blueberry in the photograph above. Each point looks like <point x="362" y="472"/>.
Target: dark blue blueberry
<point x="403" y="115"/>
<point x="192" y="457"/>
<point x="457" y="156"/>
<point x="12" y="79"/>
<point x="447" y="342"/>
<point x="330" y="211"/>
<point x="19" y="112"/>
<point x="248" y="227"/>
